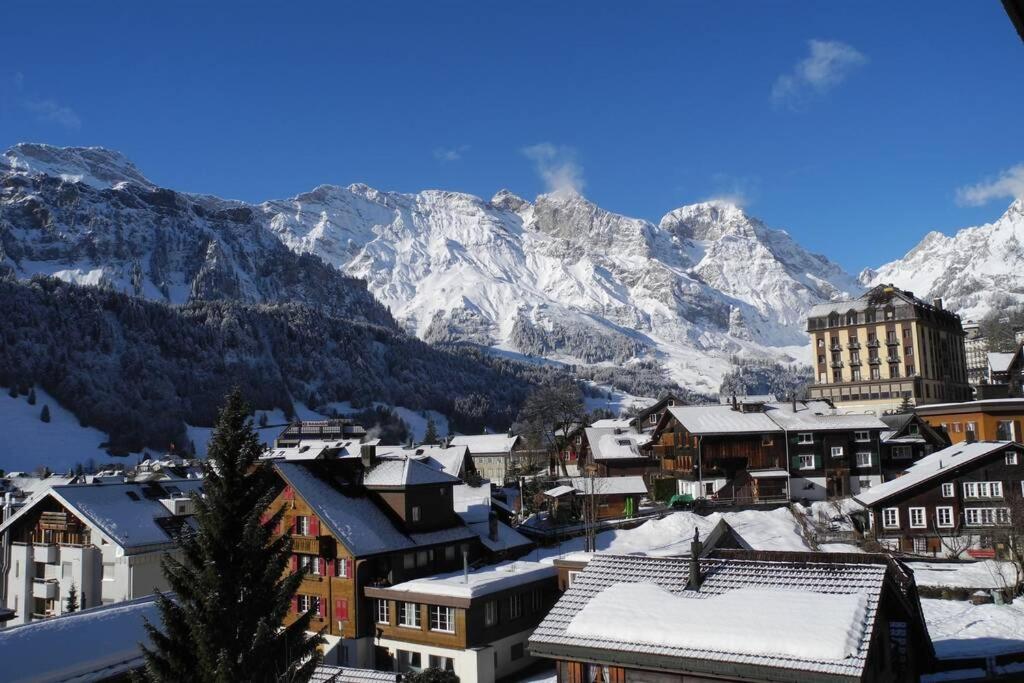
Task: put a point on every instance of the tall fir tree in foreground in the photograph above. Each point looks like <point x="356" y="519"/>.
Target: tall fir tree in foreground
<point x="231" y="593"/>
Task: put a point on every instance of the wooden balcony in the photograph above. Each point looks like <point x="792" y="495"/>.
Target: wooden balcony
<point x="313" y="545"/>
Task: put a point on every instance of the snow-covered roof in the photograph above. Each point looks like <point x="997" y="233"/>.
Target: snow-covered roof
<point x="508" y="538"/>
<point x="818" y="416"/>
<point x="971" y="406"/>
<point x="486" y="444"/>
<point x="483" y="581"/>
<point x="615" y="443"/>
<point x="931" y="467"/>
<point x="960" y="629"/>
<point x="559" y="491"/>
<point x="93" y="644"/>
<point x="129" y="514"/>
<point x="613" y="423"/>
<point x="726" y="399"/>
<point x="402" y="472"/>
<point x="325" y="673"/>
<point x="356" y="520"/>
<point x="1000" y="362"/>
<point x="450" y="459"/>
<point x="808" y="616"/>
<point x="722" y="419"/>
<point x="605" y="486"/>
<point x="315" y="449"/>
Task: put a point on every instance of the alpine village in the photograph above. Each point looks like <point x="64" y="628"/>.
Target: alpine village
<point x="370" y="436"/>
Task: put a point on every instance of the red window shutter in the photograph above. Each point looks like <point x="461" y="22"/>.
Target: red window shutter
<point x="289" y="493"/>
<point x="322" y="565"/>
<point x="295" y="603"/>
<point x="314" y="526"/>
<point x="330" y="567"/>
<point x="295" y="563"/>
<point x="264" y="517"/>
<point x="293" y="527"/>
<point x="320" y="607"/>
<point x="341" y="610"/>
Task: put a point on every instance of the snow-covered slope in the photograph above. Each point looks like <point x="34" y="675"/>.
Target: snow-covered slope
<point x="978" y="270"/>
<point x="562" y="278"/>
<point x="558" y="277"/>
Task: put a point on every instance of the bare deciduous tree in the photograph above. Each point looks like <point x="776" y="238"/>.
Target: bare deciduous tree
<point x="548" y="416"/>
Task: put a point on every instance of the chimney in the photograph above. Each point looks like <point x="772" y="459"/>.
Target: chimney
<point x="696" y="548"/>
<point x="465" y="566"/>
<point x="492" y="527"/>
<point x="368" y="454"/>
<point x="734" y="402"/>
<point x="794" y="401"/>
<point x="937" y="303"/>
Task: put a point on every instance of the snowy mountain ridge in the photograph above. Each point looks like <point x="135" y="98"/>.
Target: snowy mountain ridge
<point x="558" y="277"/>
<point x="975" y="271"/>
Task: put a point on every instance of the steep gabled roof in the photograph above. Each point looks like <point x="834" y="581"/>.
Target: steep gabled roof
<point x="835" y="600"/>
<point x="931" y="467"/>
<point x="486" y="444"/>
<point x="613" y="443"/>
<point x="353" y="516"/>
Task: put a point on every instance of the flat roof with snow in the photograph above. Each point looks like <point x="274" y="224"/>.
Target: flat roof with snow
<point x="610" y="486"/>
<point x="483" y="581"/>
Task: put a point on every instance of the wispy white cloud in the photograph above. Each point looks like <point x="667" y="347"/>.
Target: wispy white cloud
<point x="1007" y="185"/>
<point x="45" y="109"/>
<point x="827" y="65"/>
<point x="557" y="166"/>
<point x="731" y="189"/>
<point x="445" y="154"/>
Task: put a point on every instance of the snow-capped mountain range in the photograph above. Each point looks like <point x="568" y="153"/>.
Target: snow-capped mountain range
<point x="975" y="271"/>
<point x="558" y="277"/>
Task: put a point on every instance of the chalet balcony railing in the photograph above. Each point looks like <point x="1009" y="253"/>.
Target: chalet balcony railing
<point x="875" y="360"/>
<point x="873" y="344"/>
<point x="853" y="345"/>
<point x="313" y="545"/>
<point x="837" y="364"/>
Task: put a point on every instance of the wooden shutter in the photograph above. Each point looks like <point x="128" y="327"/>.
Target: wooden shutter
<point x="314" y="526"/>
<point x="289" y="493"/>
<point x="295" y="601"/>
<point x="295" y="563"/>
<point x="292" y="525"/>
<point x="341" y="610"/>
<point x="575" y="671"/>
<point x="329" y="565"/>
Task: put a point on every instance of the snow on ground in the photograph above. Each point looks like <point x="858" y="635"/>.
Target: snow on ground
<point x="26" y="442"/>
<point x="614" y="400"/>
<point x="984" y="574"/>
<point x="767" y="529"/>
<point x="543" y="676"/>
<point x="960" y="629"/>
<point x="416" y="420"/>
<point x="835" y="515"/>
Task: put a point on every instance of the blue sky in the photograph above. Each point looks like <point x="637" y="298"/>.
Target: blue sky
<point x="823" y="118"/>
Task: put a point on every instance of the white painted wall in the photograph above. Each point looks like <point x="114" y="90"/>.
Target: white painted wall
<point x="811" y="488"/>
<point x="477" y="665"/>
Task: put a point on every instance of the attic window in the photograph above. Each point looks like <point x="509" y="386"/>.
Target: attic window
<point x="132" y="495"/>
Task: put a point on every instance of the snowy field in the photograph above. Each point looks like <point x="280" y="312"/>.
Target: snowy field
<point x="26" y="442"/>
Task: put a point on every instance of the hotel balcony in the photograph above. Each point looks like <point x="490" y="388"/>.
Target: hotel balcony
<point x="855" y="361"/>
<point x="837" y="364"/>
<point x="875" y="360"/>
<point x="893" y="359"/>
<point x="45" y="589"/>
<point x="892" y="342"/>
<point x="853" y="345"/>
<point x="874" y="344"/>
<point x="836" y="347"/>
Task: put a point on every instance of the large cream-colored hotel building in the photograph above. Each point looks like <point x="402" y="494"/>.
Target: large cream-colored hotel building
<point x="871" y="352"/>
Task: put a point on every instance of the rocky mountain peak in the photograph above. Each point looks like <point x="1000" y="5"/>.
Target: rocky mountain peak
<point x="95" y="166"/>
<point x="709" y="220"/>
<point x="507" y="200"/>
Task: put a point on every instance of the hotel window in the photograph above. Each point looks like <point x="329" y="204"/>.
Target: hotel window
<point x="805" y="437"/>
<point x="821" y="343"/>
<point x="409" y="614"/>
<point x="1002" y="515"/>
<point x="383" y="612"/>
<point x="807" y="462"/>
<point x="891" y="337"/>
<point x="891" y="518"/>
<point x="944" y="517"/>
<point x="302" y="525"/>
<point x="442" y="619"/>
<point x="856" y="374"/>
<point x="947" y="490"/>
<point x="863" y="460"/>
<point x="917" y="518"/>
<point x="491" y="607"/>
<point x="837" y="451"/>
<point x="1011" y="457"/>
<point x="909" y="350"/>
<point x="515" y="606"/>
<point x="894" y="370"/>
<point x="876" y="373"/>
<point x="821" y="358"/>
<point x="862" y="436"/>
<point x="837" y="376"/>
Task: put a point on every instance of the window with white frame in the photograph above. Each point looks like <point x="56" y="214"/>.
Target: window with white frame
<point x="902" y="452"/>
<point x="891" y="518"/>
<point x="807" y="462"/>
<point x="308" y="602"/>
<point x="920" y="545"/>
<point x="302" y="525"/>
<point x="653" y="419"/>
<point x="947" y="491"/>
<point x="515" y="606"/>
<point x="862" y="436"/>
<point x="442" y="619"/>
<point x="986" y="516"/>
<point x="383" y="612"/>
<point x="805" y="437"/>
<point x="341" y="567"/>
<point x="1002" y="515"/>
<point x="983" y="489"/>
<point x="409" y="614"/>
<point x="491" y="608"/>
<point x="944" y="517"/>
<point x="864" y="459"/>
<point x="310" y="564"/>
<point x="1011" y="457"/>
<point x="837" y="451"/>
<point x="917" y="518"/>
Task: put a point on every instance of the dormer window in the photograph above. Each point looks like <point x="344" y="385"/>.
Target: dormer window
<point x="415" y="513"/>
<point x="653" y="419"/>
<point x="851" y="318"/>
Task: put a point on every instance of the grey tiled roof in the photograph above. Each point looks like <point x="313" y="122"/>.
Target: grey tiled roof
<point x="551" y="638"/>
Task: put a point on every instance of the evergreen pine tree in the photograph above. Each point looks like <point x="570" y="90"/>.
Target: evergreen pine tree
<point x="430" y="438"/>
<point x="13" y="393"/>
<point x="45" y="414"/>
<point x="32" y="396"/>
<point x="231" y="591"/>
<point x="72" y="603"/>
